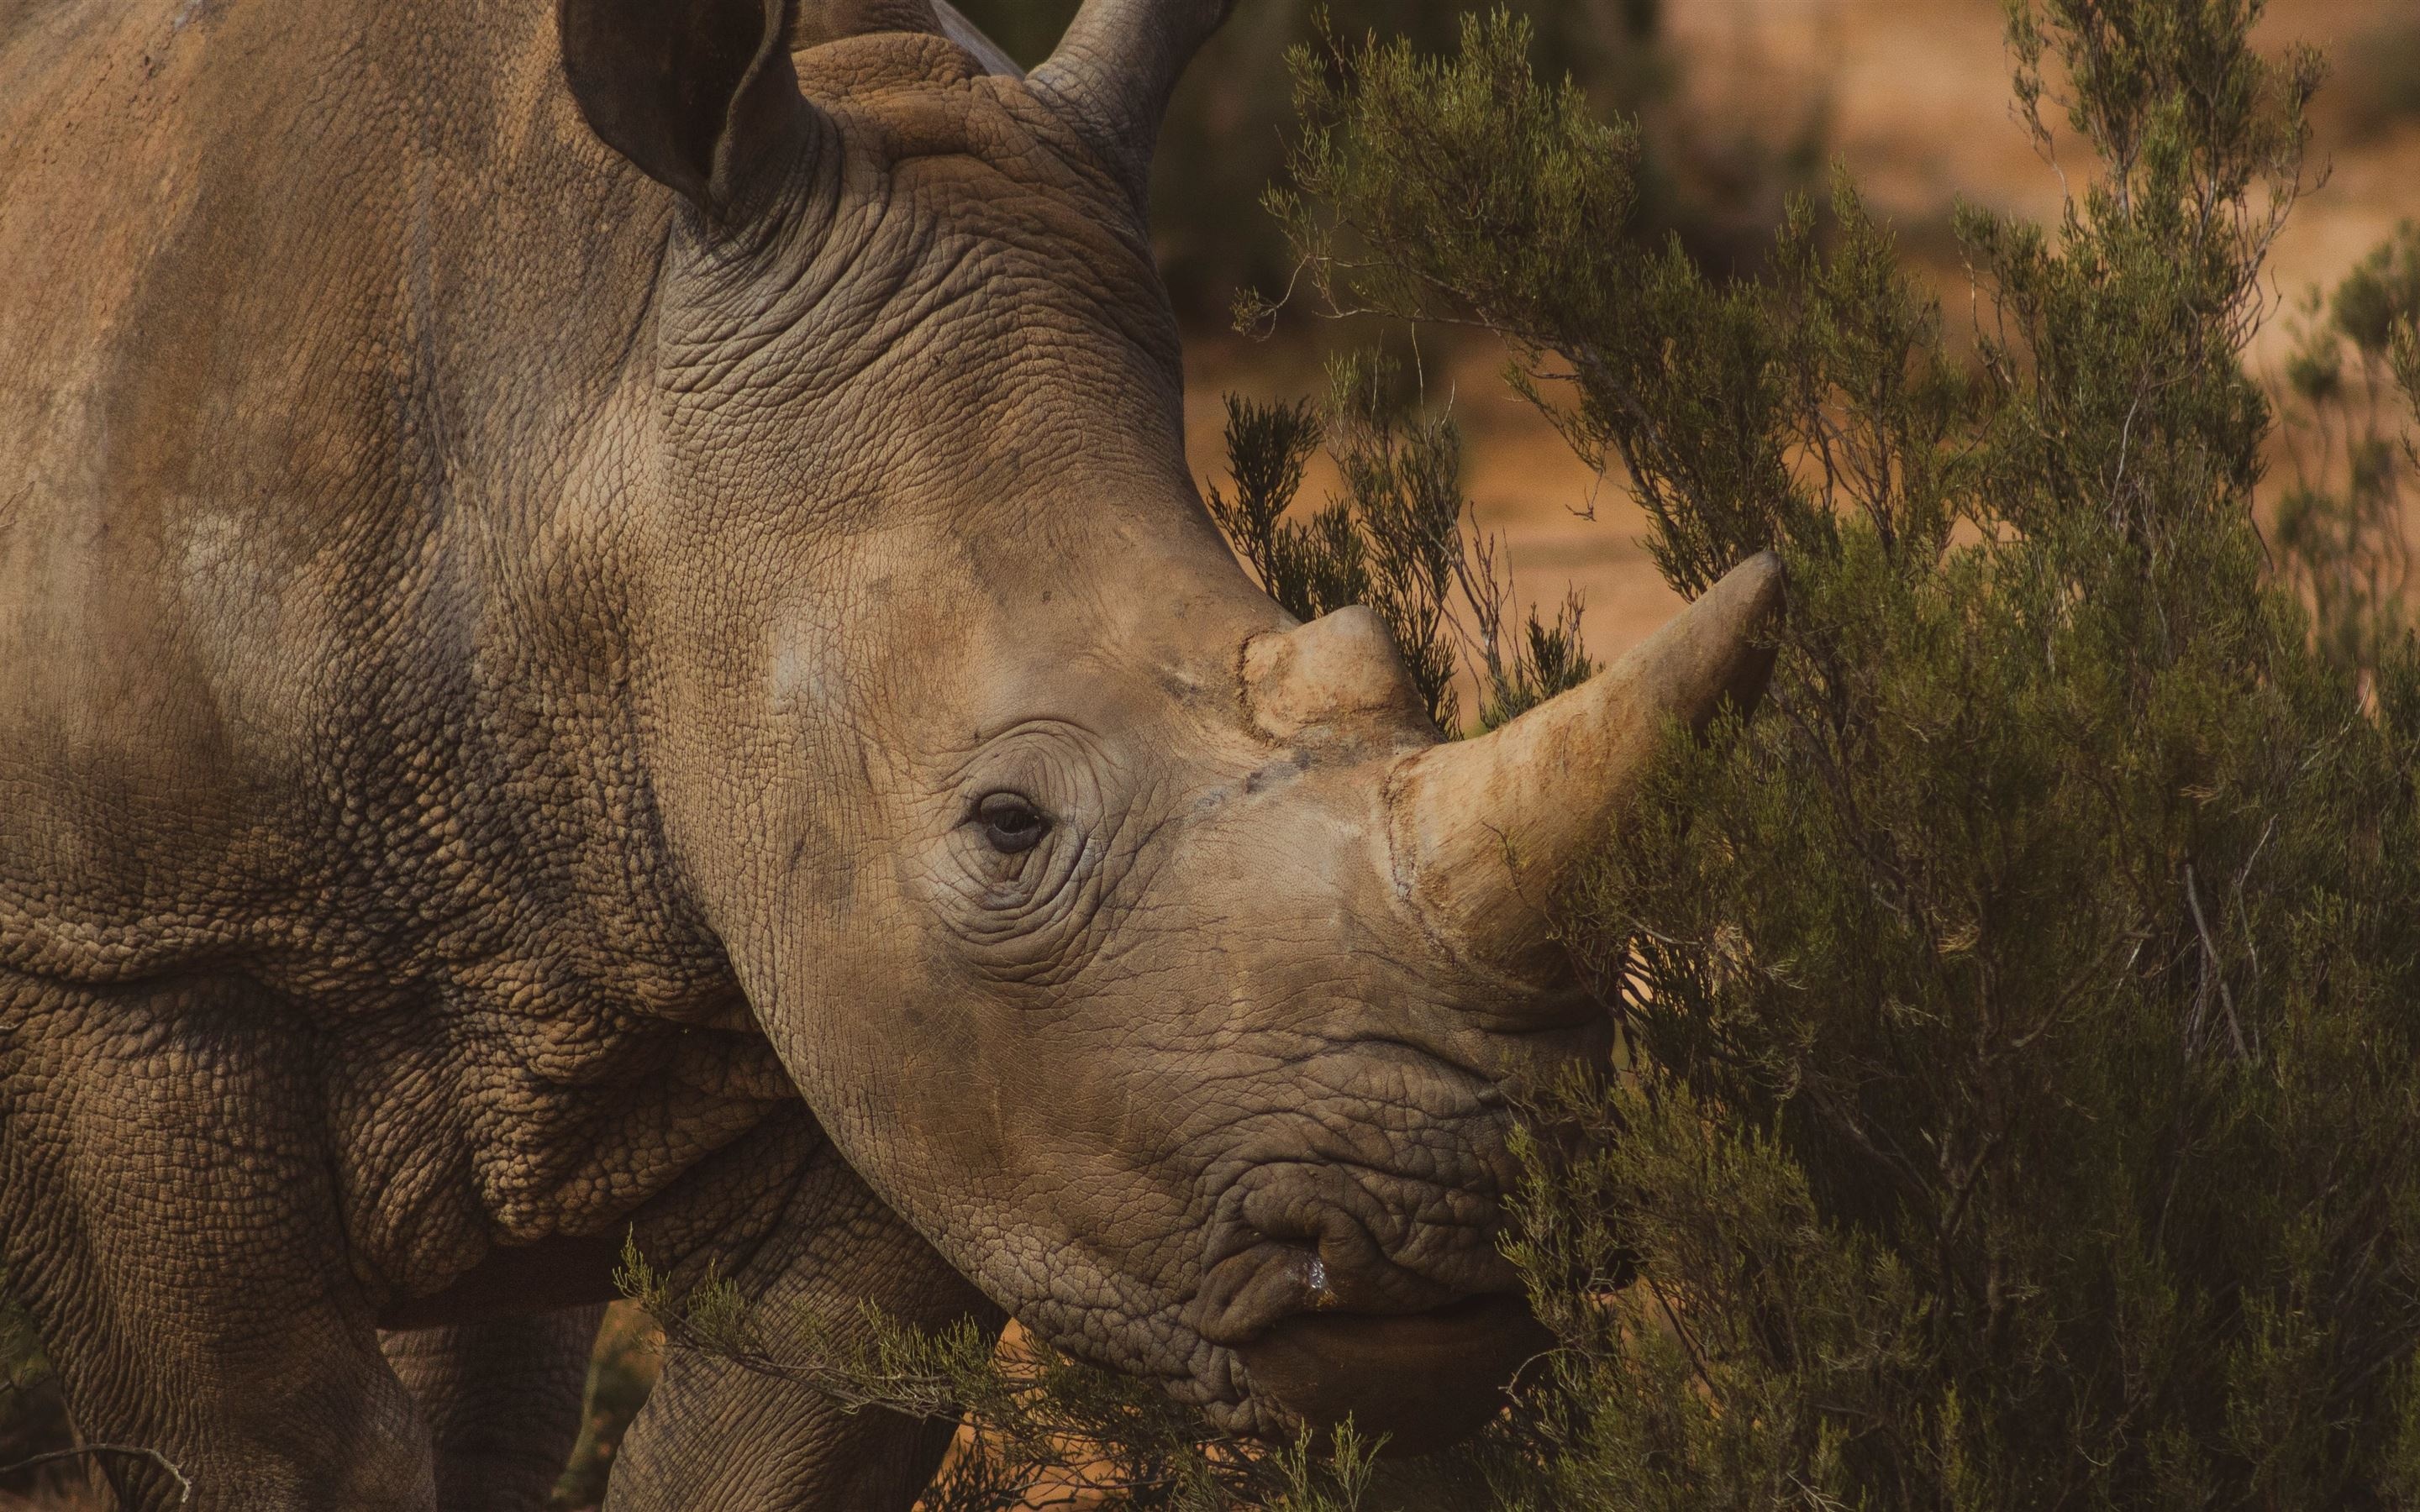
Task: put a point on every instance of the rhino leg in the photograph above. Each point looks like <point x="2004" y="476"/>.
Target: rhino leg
<point x="716" y="1435"/>
<point x="169" y="1218"/>
<point x="502" y="1402"/>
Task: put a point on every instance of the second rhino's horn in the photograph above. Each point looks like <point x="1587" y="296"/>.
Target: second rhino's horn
<point x="814" y="22"/>
<point x="1116" y="67"/>
<point x="1486" y="831"/>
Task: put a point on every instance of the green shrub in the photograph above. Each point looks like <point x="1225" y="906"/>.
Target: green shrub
<point x="1713" y="180"/>
<point x="1403" y="539"/>
<point x="2023" y="1110"/>
<point x="2340" y="523"/>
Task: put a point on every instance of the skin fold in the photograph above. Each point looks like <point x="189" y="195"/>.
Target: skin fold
<point x="583" y="658"/>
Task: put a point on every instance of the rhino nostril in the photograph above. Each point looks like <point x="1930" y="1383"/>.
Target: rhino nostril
<point x="1320" y="1297"/>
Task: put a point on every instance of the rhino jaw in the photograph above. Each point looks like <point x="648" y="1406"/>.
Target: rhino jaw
<point x="1418" y="1380"/>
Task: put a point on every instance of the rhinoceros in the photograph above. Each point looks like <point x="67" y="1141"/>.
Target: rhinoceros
<point x="605" y="635"/>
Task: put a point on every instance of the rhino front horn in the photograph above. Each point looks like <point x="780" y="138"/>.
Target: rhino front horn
<point x="1486" y="830"/>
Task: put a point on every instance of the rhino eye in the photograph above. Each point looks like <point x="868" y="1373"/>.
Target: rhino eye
<point x="1010" y="824"/>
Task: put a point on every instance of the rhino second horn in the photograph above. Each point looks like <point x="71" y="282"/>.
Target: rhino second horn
<point x="816" y="23"/>
<point x="1485" y="831"/>
<point x="1341" y="669"/>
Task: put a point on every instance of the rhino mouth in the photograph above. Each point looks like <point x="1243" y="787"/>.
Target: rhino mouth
<point x="1421" y="1380"/>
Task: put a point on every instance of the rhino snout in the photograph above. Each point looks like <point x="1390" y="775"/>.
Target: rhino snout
<point x="1416" y="1340"/>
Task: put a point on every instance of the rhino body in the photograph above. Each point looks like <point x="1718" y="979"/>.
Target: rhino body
<point x="603" y="631"/>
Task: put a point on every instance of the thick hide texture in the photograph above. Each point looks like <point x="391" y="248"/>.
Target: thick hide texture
<point x="604" y="634"/>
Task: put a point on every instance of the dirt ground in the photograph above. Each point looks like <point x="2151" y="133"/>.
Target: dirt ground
<point x="1915" y="97"/>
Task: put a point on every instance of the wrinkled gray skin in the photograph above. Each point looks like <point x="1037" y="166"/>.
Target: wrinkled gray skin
<point x="505" y="646"/>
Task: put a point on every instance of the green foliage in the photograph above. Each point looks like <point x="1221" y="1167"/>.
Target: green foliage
<point x="1718" y="1336"/>
<point x="1401" y="539"/>
<point x="2339" y="530"/>
<point x="1465" y="191"/>
<point x="2407" y="363"/>
<point x="1224" y="139"/>
<point x="2023" y="1110"/>
<point x="2378" y="300"/>
<point x="1403" y="476"/>
<point x="622" y="1372"/>
<point x="1715" y="181"/>
<point x="1412" y="170"/>
<point x="1312" y="567"/>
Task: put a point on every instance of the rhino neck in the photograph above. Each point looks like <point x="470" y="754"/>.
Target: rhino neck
<point x="331" y="398"/>
<point x="319" y="669"/>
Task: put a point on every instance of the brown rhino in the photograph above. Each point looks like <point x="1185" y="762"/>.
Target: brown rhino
<point x="603" y="629"/>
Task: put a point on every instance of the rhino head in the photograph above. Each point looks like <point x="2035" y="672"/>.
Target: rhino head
<point x="1148" y="952"/>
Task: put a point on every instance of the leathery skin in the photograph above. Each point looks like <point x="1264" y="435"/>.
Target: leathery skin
<point x="582" y="661"/>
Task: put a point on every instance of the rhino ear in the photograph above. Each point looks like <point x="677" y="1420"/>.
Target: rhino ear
<point x="699" y="94"/>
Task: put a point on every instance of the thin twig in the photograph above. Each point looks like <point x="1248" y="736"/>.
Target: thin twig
<point x="184" y="1487"/>
<point x="2213" y="970"/>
